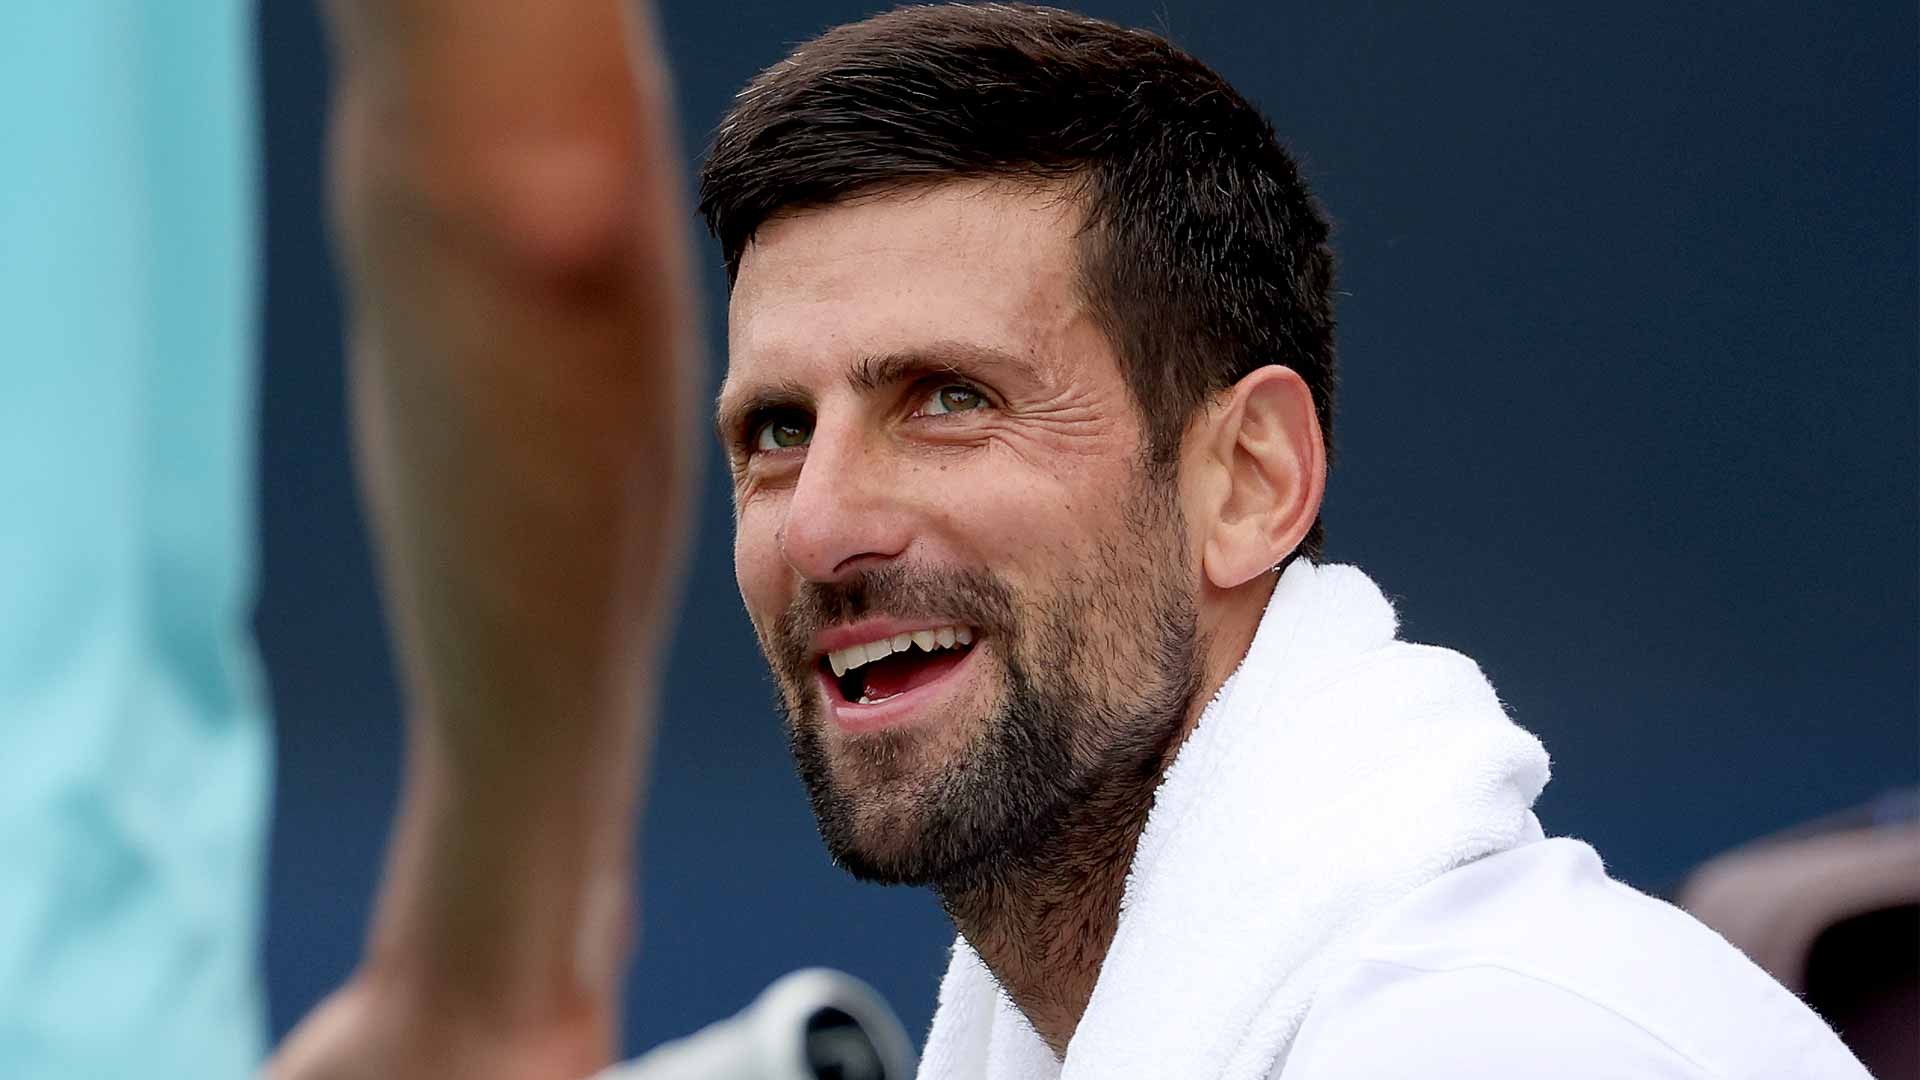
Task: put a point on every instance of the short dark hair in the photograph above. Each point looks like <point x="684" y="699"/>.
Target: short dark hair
<point x="1203" y="254"/>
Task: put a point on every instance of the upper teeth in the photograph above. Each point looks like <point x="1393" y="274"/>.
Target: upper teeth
<point x="853" y="656"/>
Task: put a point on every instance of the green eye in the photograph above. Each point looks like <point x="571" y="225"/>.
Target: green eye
<point x="953" y="399"/>
<point x="782" y="433"/>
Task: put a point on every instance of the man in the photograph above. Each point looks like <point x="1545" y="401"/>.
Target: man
<point x="1030" y="381"/>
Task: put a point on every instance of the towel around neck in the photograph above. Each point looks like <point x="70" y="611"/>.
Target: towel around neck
<point x="1336" y="771"/>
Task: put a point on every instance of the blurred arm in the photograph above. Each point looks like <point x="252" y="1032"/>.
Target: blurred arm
<point x="507" y="208"/>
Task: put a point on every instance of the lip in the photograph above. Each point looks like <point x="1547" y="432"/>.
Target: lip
<point x="901" y="709"/>
<point x="859" y="633"/>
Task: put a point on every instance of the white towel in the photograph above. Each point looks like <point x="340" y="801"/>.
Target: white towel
<point x="1335" y="772"/>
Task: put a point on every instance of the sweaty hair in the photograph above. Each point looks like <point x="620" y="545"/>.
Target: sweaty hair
<point x="1202" y="254"/>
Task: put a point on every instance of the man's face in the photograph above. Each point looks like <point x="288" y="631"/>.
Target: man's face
<point x="977" y="605"/>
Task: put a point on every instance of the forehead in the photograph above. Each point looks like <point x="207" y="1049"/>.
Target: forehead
<point x="982" y="264"/>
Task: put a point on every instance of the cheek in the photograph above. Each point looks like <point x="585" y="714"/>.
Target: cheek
<point x="1017" y="519"/>
<point x="758" y="569"/>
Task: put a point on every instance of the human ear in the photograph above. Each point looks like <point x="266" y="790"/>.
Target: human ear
<point x="1266" y="441"/>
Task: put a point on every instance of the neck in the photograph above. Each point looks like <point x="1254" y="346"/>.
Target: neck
<point x="1042" y="923"/>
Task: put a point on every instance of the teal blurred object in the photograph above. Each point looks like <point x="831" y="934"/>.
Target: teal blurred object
<point x="134" y="747"/>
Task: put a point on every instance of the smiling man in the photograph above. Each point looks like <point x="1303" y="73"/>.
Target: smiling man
<point x="1029" y="391"/>
<point x="976" y="590"/>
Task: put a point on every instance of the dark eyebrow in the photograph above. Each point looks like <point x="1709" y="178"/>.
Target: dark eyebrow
<point x="958" y="358"/>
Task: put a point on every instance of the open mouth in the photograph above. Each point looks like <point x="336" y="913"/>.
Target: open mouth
<point x="872" y="672"/>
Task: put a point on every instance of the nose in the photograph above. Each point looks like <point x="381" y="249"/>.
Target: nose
<point x="848" y="507"/>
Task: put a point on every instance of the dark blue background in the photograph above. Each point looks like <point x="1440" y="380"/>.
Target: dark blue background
<point x="1628" y="308"/>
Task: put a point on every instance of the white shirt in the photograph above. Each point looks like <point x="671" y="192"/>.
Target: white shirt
<point x="1533" y="962"/>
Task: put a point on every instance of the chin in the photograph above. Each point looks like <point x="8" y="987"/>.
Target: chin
<point x="884" y="805"/>
<point x="896" y="867"/>
<point x="881" y="844"/>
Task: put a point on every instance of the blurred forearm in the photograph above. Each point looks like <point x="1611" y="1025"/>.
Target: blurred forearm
<point x="521" y="123"/>
<point x="507" y="208"/>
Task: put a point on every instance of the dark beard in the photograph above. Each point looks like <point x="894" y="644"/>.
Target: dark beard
<point x="1070" y="735"/>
